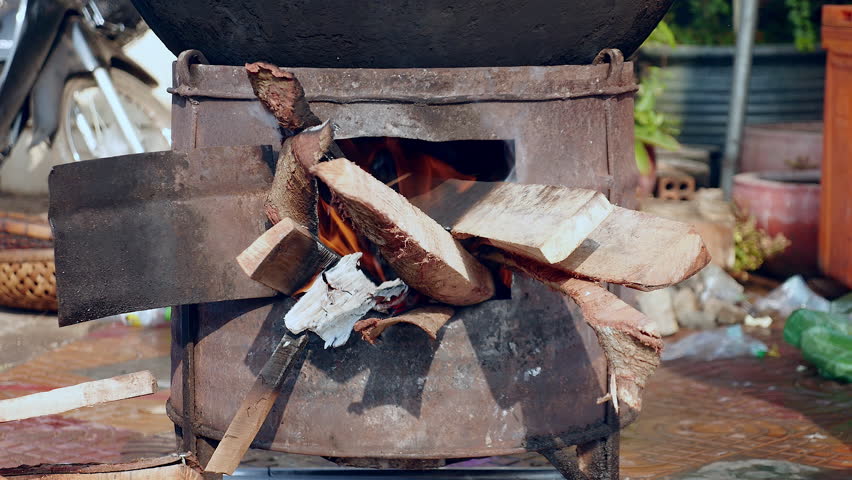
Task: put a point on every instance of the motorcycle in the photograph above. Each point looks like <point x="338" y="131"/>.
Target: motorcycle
<point x="67" y="90"/>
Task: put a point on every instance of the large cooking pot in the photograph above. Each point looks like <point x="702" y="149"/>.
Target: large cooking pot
<point x="401" y="33"/>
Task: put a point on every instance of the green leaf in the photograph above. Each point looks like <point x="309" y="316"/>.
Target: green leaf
<point x="643" y="160"/>
<point x="654" y="136"/>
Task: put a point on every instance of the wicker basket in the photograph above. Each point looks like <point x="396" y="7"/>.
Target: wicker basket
<point x="27" y="271"/>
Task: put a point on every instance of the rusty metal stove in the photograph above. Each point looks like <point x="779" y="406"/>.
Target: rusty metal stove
<point x="505" y="376"/>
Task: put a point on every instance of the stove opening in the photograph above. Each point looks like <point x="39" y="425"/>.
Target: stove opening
<point x="413" y="168"/>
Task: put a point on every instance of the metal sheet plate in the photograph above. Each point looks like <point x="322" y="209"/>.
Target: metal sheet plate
<point x="156" y="229"/>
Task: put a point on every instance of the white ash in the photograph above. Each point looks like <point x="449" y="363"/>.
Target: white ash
<point x="337" y="299"/>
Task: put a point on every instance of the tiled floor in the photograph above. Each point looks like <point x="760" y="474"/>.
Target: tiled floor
<point x="695" y="413"/>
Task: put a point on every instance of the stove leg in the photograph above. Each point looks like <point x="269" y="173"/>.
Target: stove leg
<point x="596" y="460"/>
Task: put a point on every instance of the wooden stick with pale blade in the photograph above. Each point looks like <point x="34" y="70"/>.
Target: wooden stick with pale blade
<point x="256" y="406"/>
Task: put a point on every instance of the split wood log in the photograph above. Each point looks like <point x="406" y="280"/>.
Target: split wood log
<point x="542" y="222"/>
<point x="256" y="406"/>
<point x="630" y="248"/>
<point x="282" y="94"/>
<point x="640" y="251"/>
<point x="419" y="250"/>
<point x="429" y="319"/>
<point x="77" y="396"/>
<point x="286" y="257"/>
<point x="337" y="299"/>
<point x="177" y="471"/>
<point x="628" y="338"/>
<point x="293" y="192"/>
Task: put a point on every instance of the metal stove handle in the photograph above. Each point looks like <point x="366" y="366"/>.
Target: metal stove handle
<point x="615" y="58"/>
<point x="185" y="86"/>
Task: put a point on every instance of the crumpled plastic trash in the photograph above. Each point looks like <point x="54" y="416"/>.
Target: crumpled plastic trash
<point x="792" y="295"/>
<point x="718" y="284"/>
<point x="729" y="342"/>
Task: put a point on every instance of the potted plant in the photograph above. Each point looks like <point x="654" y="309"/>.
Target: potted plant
<point x="787" y="70"/>
<point x="652" y="129"/>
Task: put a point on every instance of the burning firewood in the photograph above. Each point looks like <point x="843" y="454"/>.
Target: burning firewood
<point x="422" y="253"/>
<point x="543" y="222"/>
<point x="337" y="299"/>
<point x="639" y="250"/>
<point x="628" y="338"/>
<point x="293" y="192"/>
<point x="429" y="319"/>
<point x="281" y="92"/>
<point x="286" y="257"/>
<point x="624" y="248"/>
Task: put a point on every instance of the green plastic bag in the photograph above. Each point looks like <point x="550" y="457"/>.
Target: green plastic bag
<point x="803" y="319"/>
<point x="829" y="351"/>
<point x="825" y="340"/>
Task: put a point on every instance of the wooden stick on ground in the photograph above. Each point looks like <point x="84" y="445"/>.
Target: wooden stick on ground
<point x="256" y="406"/>
<point x="420" y="251"/>
<point x="628" y="338"/>
<point x="429" y="319"/>
<point x="543" y="222"/>
<point x="167" y="472"/>
<point x="286" y="257"/>
<point x="77" y="396"/>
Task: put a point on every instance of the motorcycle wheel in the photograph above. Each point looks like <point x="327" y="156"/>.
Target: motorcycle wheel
<point x="26" y="169"/>
<point x="88" y="129"/>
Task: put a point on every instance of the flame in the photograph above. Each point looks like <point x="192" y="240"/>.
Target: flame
<point x="416" y="173"/>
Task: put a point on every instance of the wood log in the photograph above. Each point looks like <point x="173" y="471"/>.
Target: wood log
<point x="639" y="250"/>
<point x="543" y="222"/>
<point x="626" y="247"/>
<point x="35" y="471"/>
<point x="429" y="319"/>
<point x="293" y="192"/>
<point x="282" y="94"/>
<point x="422" y="253"/>
<point x="337" y="299"/>
<point x="177" y="471"/>
<point x="628" y="338"/>
<point x="286" y="257"/>
<point x="77" y="396"/>
<point x="256" y="406"/>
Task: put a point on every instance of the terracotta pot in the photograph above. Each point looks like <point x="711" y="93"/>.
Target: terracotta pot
<point x="786" y="203"/>
<point x="782" y="146"/>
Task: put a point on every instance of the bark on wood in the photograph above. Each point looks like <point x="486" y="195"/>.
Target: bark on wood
<point x="286" y="257"/>
<point x="429" y="319"/>
<point x="543" y="222"/>
<point x="628" y="338"/>
<point x="256" y="406"/>
<point x="169" y="472"/>
<point x="639" y="250"/>
<point x="281" y="93"/>
<point x="337" y="299"/>
<point x="293" y="192"/>
<point x="49" y="468"/>
<point x="422" y="253"/>
<point x="77" y="396"/>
